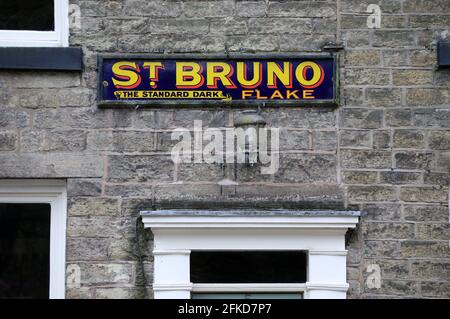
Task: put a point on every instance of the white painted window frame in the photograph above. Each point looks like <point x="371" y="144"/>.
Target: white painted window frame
<point x="54" y="193"/>
<point x="57" y="38"/>
<point x="322" y="237"/>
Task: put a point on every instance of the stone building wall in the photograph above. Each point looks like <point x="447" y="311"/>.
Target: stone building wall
<point x="385" y="150"/>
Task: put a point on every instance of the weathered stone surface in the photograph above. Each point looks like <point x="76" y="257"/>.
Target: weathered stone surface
<point x="412" y="77"/>
<point x="383" y="97"/>
<point x="83" y="187"/>
<point x="382" y="212"/>
<point x="313" y="118"/>
<point x="355" y="138"/>
<point x="435" y="289"/>
<point x="361" y="118"/>
<point x="398" y="178"/>
<point x="294" y="140"/>
<point x="324" y="140"/>
<point x="424" y="194"/>
<point x="425" y="213"/>
<point x="304" y="168"/>
<point x="427" y="97"/>
<point x="396" y="287"/>
<point x="366" y="159"/>
<point x="383" y="230"/>
<point x="105" y="273"/>
<point x="8" y="140"/>
<point x="427" y="249"/>
<point x="359" y="177"/>
<point x="432" y="118"/>
<point x="14" y="118"/>
<point x="129" y="190"/>
<point x="251" y="8"/>
<point x="370" y="193"/>
<point x="278" y="25"/>
<point x="398" y="117"/>
<point x="365" y="76"/>
<point x="391" y="269"/>
<point x="51" y="165"/>
<point x="133" y="141"/>
<point x="122" y="293"/>
<point x="414" y="160"/>
<point x="441" y="179"/>
<point x="382" y="139"/>
<point x="393" y="39"/>
<point x="440" y="140"/>
<point x="301" y="9"/>
<point x="88" y="249"/>
<point x="381" y="248"/>
<point x="139" y="168"/>
<point x="362" y="57"/>
<point x="96" y="206"/>
<point x="433" y="231"/>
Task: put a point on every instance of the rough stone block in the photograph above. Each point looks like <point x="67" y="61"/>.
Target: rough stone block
<point x="440" y="140"/>
<point x="422" y="213"/>
<point x="381" y="248"/>
<point x="409" y="139"/>
<point x="424" y="249"/>
<point x="366" y="159"/>
<point x="306" y="168"/>
<point x="387" y="230"/>
<point x="294" y="140"/>
<point x="307" y="9"/>
<point x="424" y="194"/>
<point x="399" y="178"/>
<point x="93" y="206"/>
<point x="412" y="77"/>
<point x="361" y="118"/>
<point x="371" y="193"/>
<point x="435" y="289"/>
<point x="83" y="187"/>
<point x="139" y="168"/>
<point x="367" y="76"/>
<point x="251" y="8"/>
<point x="427" y="97"/>
<point x="398" y="117"/>
<point x="50" y="165"/>
<point x="8" y="140"/>
<point x="433" y="231"/>
<point x="393" y="39"/>
<point x="382" y="212"/>
<point x="414" y="160"/>
<point x="359" y="177"/>
<point x="355" y="138"/>
<point x="382" y="97"/>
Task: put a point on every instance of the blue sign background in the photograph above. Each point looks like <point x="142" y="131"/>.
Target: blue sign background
<point x="167" y="80"/>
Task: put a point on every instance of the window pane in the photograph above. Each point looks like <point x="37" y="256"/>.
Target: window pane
<point x="24" y="250"/>
<point x="248" y="267"/>
<point x="36" y="15"/>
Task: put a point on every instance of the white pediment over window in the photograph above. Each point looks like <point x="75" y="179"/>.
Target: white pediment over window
<point x="320" y="234"/>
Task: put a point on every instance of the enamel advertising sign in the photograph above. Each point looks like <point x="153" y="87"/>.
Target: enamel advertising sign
<point x="210" y="80"/>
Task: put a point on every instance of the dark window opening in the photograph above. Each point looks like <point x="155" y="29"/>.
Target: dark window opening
<point x="248" y="267"/>
<point x="24" y="251"/>
<point x="31" y="15"/>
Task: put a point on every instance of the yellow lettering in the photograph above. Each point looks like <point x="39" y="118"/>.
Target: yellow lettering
<point x="219" y="71"/>
<point x="241" y="72"/>
<point x="308" y="94"/>
<point x="128" y="75"/>
<point x="317" y="78"/>
<point x="275" y="72"/>
<point x="189" y="75"/>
